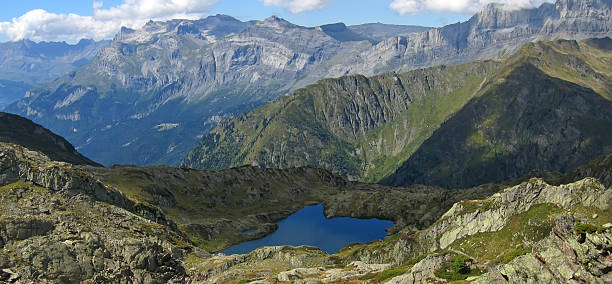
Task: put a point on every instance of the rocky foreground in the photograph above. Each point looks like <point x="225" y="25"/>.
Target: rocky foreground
<point x="63" y="224"/>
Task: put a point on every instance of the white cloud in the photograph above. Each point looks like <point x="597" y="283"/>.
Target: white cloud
<point x="41" y="25"/>
<point x="299" y="6"/>
<point x="457" y="6"/>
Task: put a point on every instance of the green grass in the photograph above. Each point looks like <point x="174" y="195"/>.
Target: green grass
<point x="335" y="123"/>
<point x="482" y="205"/>
<point x="589" y="228"/>
<point x="586" y="214"/>
<point x="22" y="185"/>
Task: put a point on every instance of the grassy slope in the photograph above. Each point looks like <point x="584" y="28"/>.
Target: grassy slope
<point x="524" y="119"/>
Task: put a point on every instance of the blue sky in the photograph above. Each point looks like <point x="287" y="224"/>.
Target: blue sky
<point x="71" y="20"/>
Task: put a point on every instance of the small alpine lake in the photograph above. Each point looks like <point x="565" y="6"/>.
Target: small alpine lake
<point x="310" y="227"/>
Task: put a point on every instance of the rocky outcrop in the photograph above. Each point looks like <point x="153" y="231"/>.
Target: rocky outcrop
<point x="51" y="237"/>
<point x="205" y="70"/>
<point x="72" y="232"/>
<point x="24" y="228"/>
<point x="547" y="221"/>
<point x="462" y="220"/>
<point x="20" y="164"/>
<point x="563" y="257"/>
<point x="214" y="208"/>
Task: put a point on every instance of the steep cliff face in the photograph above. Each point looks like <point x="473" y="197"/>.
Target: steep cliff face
<point x="201" y="71"/>
<point x="525" y="119"/>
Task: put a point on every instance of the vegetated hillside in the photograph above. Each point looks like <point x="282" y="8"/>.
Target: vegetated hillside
<point x="18" y="130"/>
<point x="151" y="96"/>
<point x="548" y="108"/>
<point x="359" y="127"/>
<point x="62" y="224"/>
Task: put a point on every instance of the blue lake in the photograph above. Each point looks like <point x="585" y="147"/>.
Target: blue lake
<point x="310" y="227"/>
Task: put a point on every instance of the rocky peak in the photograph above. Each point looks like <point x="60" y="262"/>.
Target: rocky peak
<point x="276" y="22"/>
<point x="252" y="63"/>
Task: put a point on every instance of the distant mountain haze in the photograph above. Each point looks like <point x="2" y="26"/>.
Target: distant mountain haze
<point x="155" y="92"/>
<point x="26" y="64"/>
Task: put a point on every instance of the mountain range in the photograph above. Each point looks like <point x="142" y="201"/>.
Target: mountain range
<point x="26" y="64"/>
<point x="155" y="92"/>
<point x="455" y="126"/>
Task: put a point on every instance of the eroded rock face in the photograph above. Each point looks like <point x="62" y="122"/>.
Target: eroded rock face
<point x="66" y="233"/>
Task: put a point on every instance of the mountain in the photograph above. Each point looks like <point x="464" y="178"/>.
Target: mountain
<point x="359" y="127"/>
<point x="152" y="95"/>
<point x="18" y="130"/>
<point x="368" y="128"/>
<point x="549" y="108"/>
<point x="63" y="223"/>
<point x="26" y="63"/>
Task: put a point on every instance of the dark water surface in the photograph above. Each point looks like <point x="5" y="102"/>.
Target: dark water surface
<point x="310" y="227"/>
